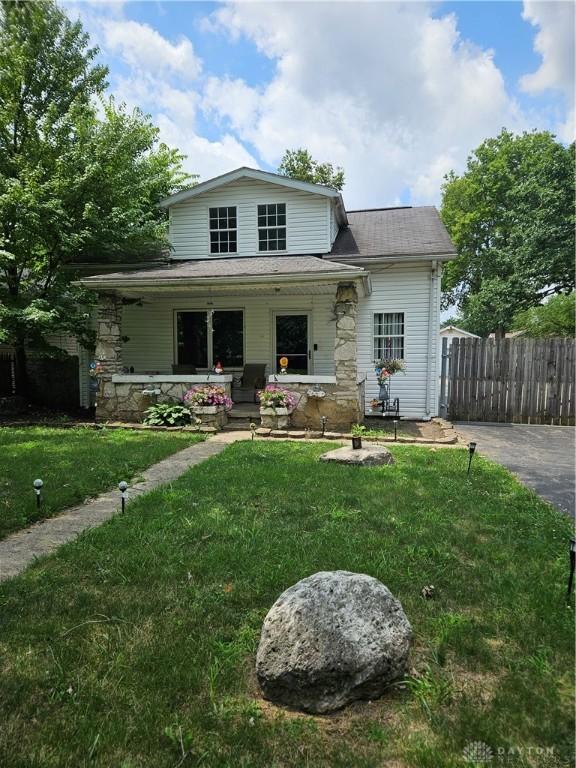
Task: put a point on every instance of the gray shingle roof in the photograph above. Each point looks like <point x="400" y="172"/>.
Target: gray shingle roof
<point x="235" y="267"/>
<point x="393" y="232"/>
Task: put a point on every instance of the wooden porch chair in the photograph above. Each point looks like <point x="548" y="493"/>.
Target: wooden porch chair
<point x="246" y="386"/>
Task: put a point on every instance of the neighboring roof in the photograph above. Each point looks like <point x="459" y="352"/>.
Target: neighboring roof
<point x="254" y="173"/>
<point x="218" y="269"/>
<point x="389" y="232"/>
<point x="459" y="330"/>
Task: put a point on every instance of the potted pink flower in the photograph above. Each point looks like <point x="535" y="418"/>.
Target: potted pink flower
<point x="210" y="404"/>
<point x="276" y="406"/>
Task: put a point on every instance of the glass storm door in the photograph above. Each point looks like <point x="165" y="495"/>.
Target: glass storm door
<point x="292" y="342"/>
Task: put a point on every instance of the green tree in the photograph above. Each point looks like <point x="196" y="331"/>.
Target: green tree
<point x="74" y="186"/>
<point x="511" y="217"/>
<point x="299" y="164"/>
<point x="556" y="317"/>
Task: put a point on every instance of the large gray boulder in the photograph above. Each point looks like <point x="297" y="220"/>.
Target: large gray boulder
<point x="332" y="638"/>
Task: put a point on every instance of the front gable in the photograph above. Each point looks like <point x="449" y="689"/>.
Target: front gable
<point x="253" y="213"/>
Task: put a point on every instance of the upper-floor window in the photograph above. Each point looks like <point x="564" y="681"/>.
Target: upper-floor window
<point x="388" y="335"/>
<point x="223" y="230"/>
<point x="272" y="227"/>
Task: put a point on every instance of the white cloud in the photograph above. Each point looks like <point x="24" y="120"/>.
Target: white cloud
<point x="387" y="91"/>
<point x="145" y="49"/>
<point x="554" y="41"/>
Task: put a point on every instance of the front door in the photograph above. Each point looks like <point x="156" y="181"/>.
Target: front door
<point x="292" y="342"/>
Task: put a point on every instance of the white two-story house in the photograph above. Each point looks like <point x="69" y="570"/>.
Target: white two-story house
<point x="264" y="267"/>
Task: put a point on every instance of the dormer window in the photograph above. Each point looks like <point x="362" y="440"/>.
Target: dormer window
<point x="223" y="230"/>
<point x="272" y="227"/>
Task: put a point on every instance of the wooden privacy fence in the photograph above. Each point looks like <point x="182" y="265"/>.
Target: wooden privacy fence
<point x="529" y="381"/>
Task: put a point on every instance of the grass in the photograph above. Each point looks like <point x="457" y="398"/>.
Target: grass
<point x="74" y="464"/>
<point x="134" y="646"/>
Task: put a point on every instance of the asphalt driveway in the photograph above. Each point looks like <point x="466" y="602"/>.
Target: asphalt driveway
<point x="542" y="457"/>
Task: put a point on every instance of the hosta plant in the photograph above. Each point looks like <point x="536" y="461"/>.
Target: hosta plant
<point x="167" y="415"/>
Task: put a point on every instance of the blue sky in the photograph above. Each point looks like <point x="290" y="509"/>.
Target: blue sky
<point x="396" y="93"/>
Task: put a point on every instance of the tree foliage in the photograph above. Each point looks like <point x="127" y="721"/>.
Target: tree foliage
<point x="556" y="317"/>
<point x="511" y="217"/>
<point x="79" y="175"/>
<point x="299" y="164"/>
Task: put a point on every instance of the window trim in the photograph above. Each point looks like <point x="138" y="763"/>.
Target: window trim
<point x="209" y="341"/>
<point x="376" y="336"/>
<point x="268" y="227"/>
<point x="222" y="229"/>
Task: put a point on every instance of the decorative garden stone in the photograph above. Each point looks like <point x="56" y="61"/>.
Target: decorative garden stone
<point x="368" y="456"/>
<point x="332" y="638"/>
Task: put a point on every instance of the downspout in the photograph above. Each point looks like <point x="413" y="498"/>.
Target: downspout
<point x="432" y="332"/>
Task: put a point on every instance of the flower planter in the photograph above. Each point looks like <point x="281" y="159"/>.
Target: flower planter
<point x="356" y="443"/>
<point x="275" y="418"/>
<point x="211" y="415"/>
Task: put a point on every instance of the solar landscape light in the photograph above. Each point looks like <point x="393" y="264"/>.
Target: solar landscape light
<point x="253" y="429"/>
<point x="123" y="488"/>
<point x="323" y="421"/>
<point x="395" y="430"/>
<point x="37" y="488"/>
<point x="471" y="450"/>
<point x="572" y="566"/>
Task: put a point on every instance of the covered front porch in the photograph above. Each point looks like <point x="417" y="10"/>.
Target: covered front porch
<point x="156" y="341"/>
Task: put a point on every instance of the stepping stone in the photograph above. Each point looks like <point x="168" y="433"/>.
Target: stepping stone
<point x="369" y="456"/>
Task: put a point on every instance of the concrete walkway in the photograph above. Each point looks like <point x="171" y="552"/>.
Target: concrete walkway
<point x="23" y="547"/>
<point x="541" y="456"/>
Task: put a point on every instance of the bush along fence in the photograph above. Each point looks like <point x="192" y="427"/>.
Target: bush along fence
<point x="528" y="381"/>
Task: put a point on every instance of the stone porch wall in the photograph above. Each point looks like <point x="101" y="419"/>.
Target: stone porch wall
<point x="340" y="408"/>
<point x="127" y="401"/>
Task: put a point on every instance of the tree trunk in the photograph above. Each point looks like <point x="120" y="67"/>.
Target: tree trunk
<point x="21" y="374"/>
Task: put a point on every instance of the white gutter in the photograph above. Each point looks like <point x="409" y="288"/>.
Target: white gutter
<point x="391" y="257"/>
<point x="432" y="332"/>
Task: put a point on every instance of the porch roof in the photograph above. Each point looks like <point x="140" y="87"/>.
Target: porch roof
<point x="238" y="270"/>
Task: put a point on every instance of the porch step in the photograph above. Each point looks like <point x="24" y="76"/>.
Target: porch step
<point x="237" y="424"/>
<point x="248" y="412"/>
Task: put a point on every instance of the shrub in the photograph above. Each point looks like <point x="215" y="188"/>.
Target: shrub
<point x="206" y="395"/>
<point x="277" y="397"/>
<point x="167" y="415"/>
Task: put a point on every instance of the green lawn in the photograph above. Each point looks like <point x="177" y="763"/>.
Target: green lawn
<point x="74" y="464"/>
<point x="134" y="646"/>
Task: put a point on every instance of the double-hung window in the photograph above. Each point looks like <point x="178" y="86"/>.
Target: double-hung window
<point x="223" y="230"/>
<point x="272" y="227"/>
<point x="388" y="335"/>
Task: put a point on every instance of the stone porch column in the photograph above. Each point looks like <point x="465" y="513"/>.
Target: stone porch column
<point x="345" y="353"/>
<point x="108" y="352"/>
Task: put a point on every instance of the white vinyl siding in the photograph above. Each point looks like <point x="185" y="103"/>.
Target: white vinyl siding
<point x="405" y="289"/>
<point x="150" y="329"/>
<point x="307" y="219"/>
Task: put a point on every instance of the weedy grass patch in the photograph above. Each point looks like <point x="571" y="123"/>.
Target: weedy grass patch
<point x="134" y="646"/>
